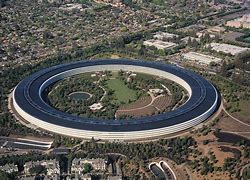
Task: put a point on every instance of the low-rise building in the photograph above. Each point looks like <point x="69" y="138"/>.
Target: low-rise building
<point x="96" y="106"/>
<point x="9" y="168"/>
<point x="243" y="22"/>
<point x="203" y="33"/>
<point x="227" y="48"/>
<point x="52" y="166"/>
<point x="216" y="30"/>
<point x="186" y="39"/>
<point x="159" y="44"/>
<point x="78" y="164"/>
<point x="156" y="91"/>
<point x="164" y="36"/>
<point x="199" y="58"/>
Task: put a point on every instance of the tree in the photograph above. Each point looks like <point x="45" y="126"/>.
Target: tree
<point x="39" y="169"/>
<point x="205" y="142"/>
<point x="2" y="3"/>
<point x="242" y="61"/>
<point x="87" y="168"/>
<point x="224" y="69"/>
<point x="120" y="42"/>
<point x="212" y="64"/>
<point x="4" y="176"/>
<point x="47" y="35"/>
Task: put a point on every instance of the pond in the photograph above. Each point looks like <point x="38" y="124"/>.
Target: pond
<point x="231" y="138"/>
<point x="80" y="95"/>
<point x="235" y="151"/>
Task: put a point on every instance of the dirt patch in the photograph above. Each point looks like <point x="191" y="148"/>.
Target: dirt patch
<point x="231" y="36"/>
<point x="214" y="176"/>
<point x="145" y="106"/>
<point x="144" y="101"/>
<point x="146" y="111"/>
<point x="162" y="102"/>
<point x="212" y="146"/>
<point x="226" y="123"/>
<point x="114" y="56"/>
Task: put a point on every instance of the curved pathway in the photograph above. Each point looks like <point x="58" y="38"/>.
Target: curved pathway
<point x="182" y="98"/>
<point x="234" y="117"/>
<point x="139" y="108"/>
<point x="104" y="94"/>
<point x="242" y="169"/>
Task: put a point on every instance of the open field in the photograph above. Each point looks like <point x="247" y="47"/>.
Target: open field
<point x="145" y="106"/>
<point x="221" y="151"/>
<point x="212" y="147"/>
<point x="229" y="124"/>
<point x="121" y="92"/>
<point x="162" y="102"/>
<point x="143" y="76"/>
<point x="244" y="114"/>
<point x="144" y="111"/>
<point x="144" y="101"/>
<point x="232" y="37"/>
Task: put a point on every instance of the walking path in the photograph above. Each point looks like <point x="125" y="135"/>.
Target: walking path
<point x="242" y="169"/>
<point x="182" y="98"/>
<point x="234" y="117"/>
<point x="236" y="132"/>
<point x="105" y="92"/>
<point x="139" y="108"/>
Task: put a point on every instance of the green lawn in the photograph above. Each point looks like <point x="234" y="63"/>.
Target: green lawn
<point x="122" y="92"/>
<point x="144" y="76"/>
<point x="244" y="114"/>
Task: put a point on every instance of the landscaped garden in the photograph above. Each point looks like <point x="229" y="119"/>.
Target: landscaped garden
<point x="114" y="95"/>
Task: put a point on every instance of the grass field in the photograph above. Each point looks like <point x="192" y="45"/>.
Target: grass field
<point x="121" y="92"/>
<point x="144" y="76"/>
<point x="244" y="114"/>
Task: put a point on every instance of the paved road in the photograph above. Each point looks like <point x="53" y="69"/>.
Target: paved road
<point x="19" y="143"/>
<point x="236" y="132"/>
<point x="158" y="172"/>
<point x="168" y="171"/>
<point x="242" y="169"/>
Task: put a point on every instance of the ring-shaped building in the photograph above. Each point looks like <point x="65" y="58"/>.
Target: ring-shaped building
<point x="29" y="104"/>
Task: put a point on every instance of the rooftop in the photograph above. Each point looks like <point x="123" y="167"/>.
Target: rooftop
<point x="201" y="58"/>
<point x="96" y="106"/>
<point x="159" y="44"/>
<point x="164" y="35"/>
<point x="227" y="48"/>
